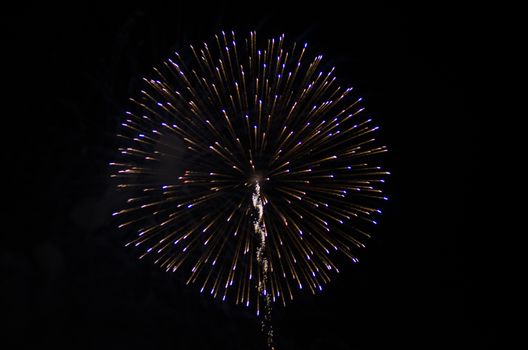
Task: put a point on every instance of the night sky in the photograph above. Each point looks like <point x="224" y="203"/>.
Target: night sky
<point x="66" y="277"/>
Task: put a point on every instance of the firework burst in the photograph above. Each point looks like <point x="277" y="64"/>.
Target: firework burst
<point x="236" y="128"/>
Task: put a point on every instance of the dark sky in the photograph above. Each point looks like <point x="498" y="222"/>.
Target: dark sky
<point x="67" y="280"/>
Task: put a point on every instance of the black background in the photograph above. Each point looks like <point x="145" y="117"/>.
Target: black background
<point x="66" y="277"/>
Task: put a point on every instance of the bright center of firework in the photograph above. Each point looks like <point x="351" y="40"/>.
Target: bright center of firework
<point x="256" y="178"/>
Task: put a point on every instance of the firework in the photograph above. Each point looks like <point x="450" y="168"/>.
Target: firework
<point x="249" y="169"/>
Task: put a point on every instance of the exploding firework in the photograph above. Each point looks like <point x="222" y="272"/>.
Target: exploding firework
<point x="249" y="169"/>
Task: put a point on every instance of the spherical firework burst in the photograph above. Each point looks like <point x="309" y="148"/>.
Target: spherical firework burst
<point x="249" y="169"/>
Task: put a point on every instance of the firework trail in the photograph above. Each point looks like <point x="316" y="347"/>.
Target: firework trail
<point x="249" y="168"/>
<point x="260" y="230"/>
